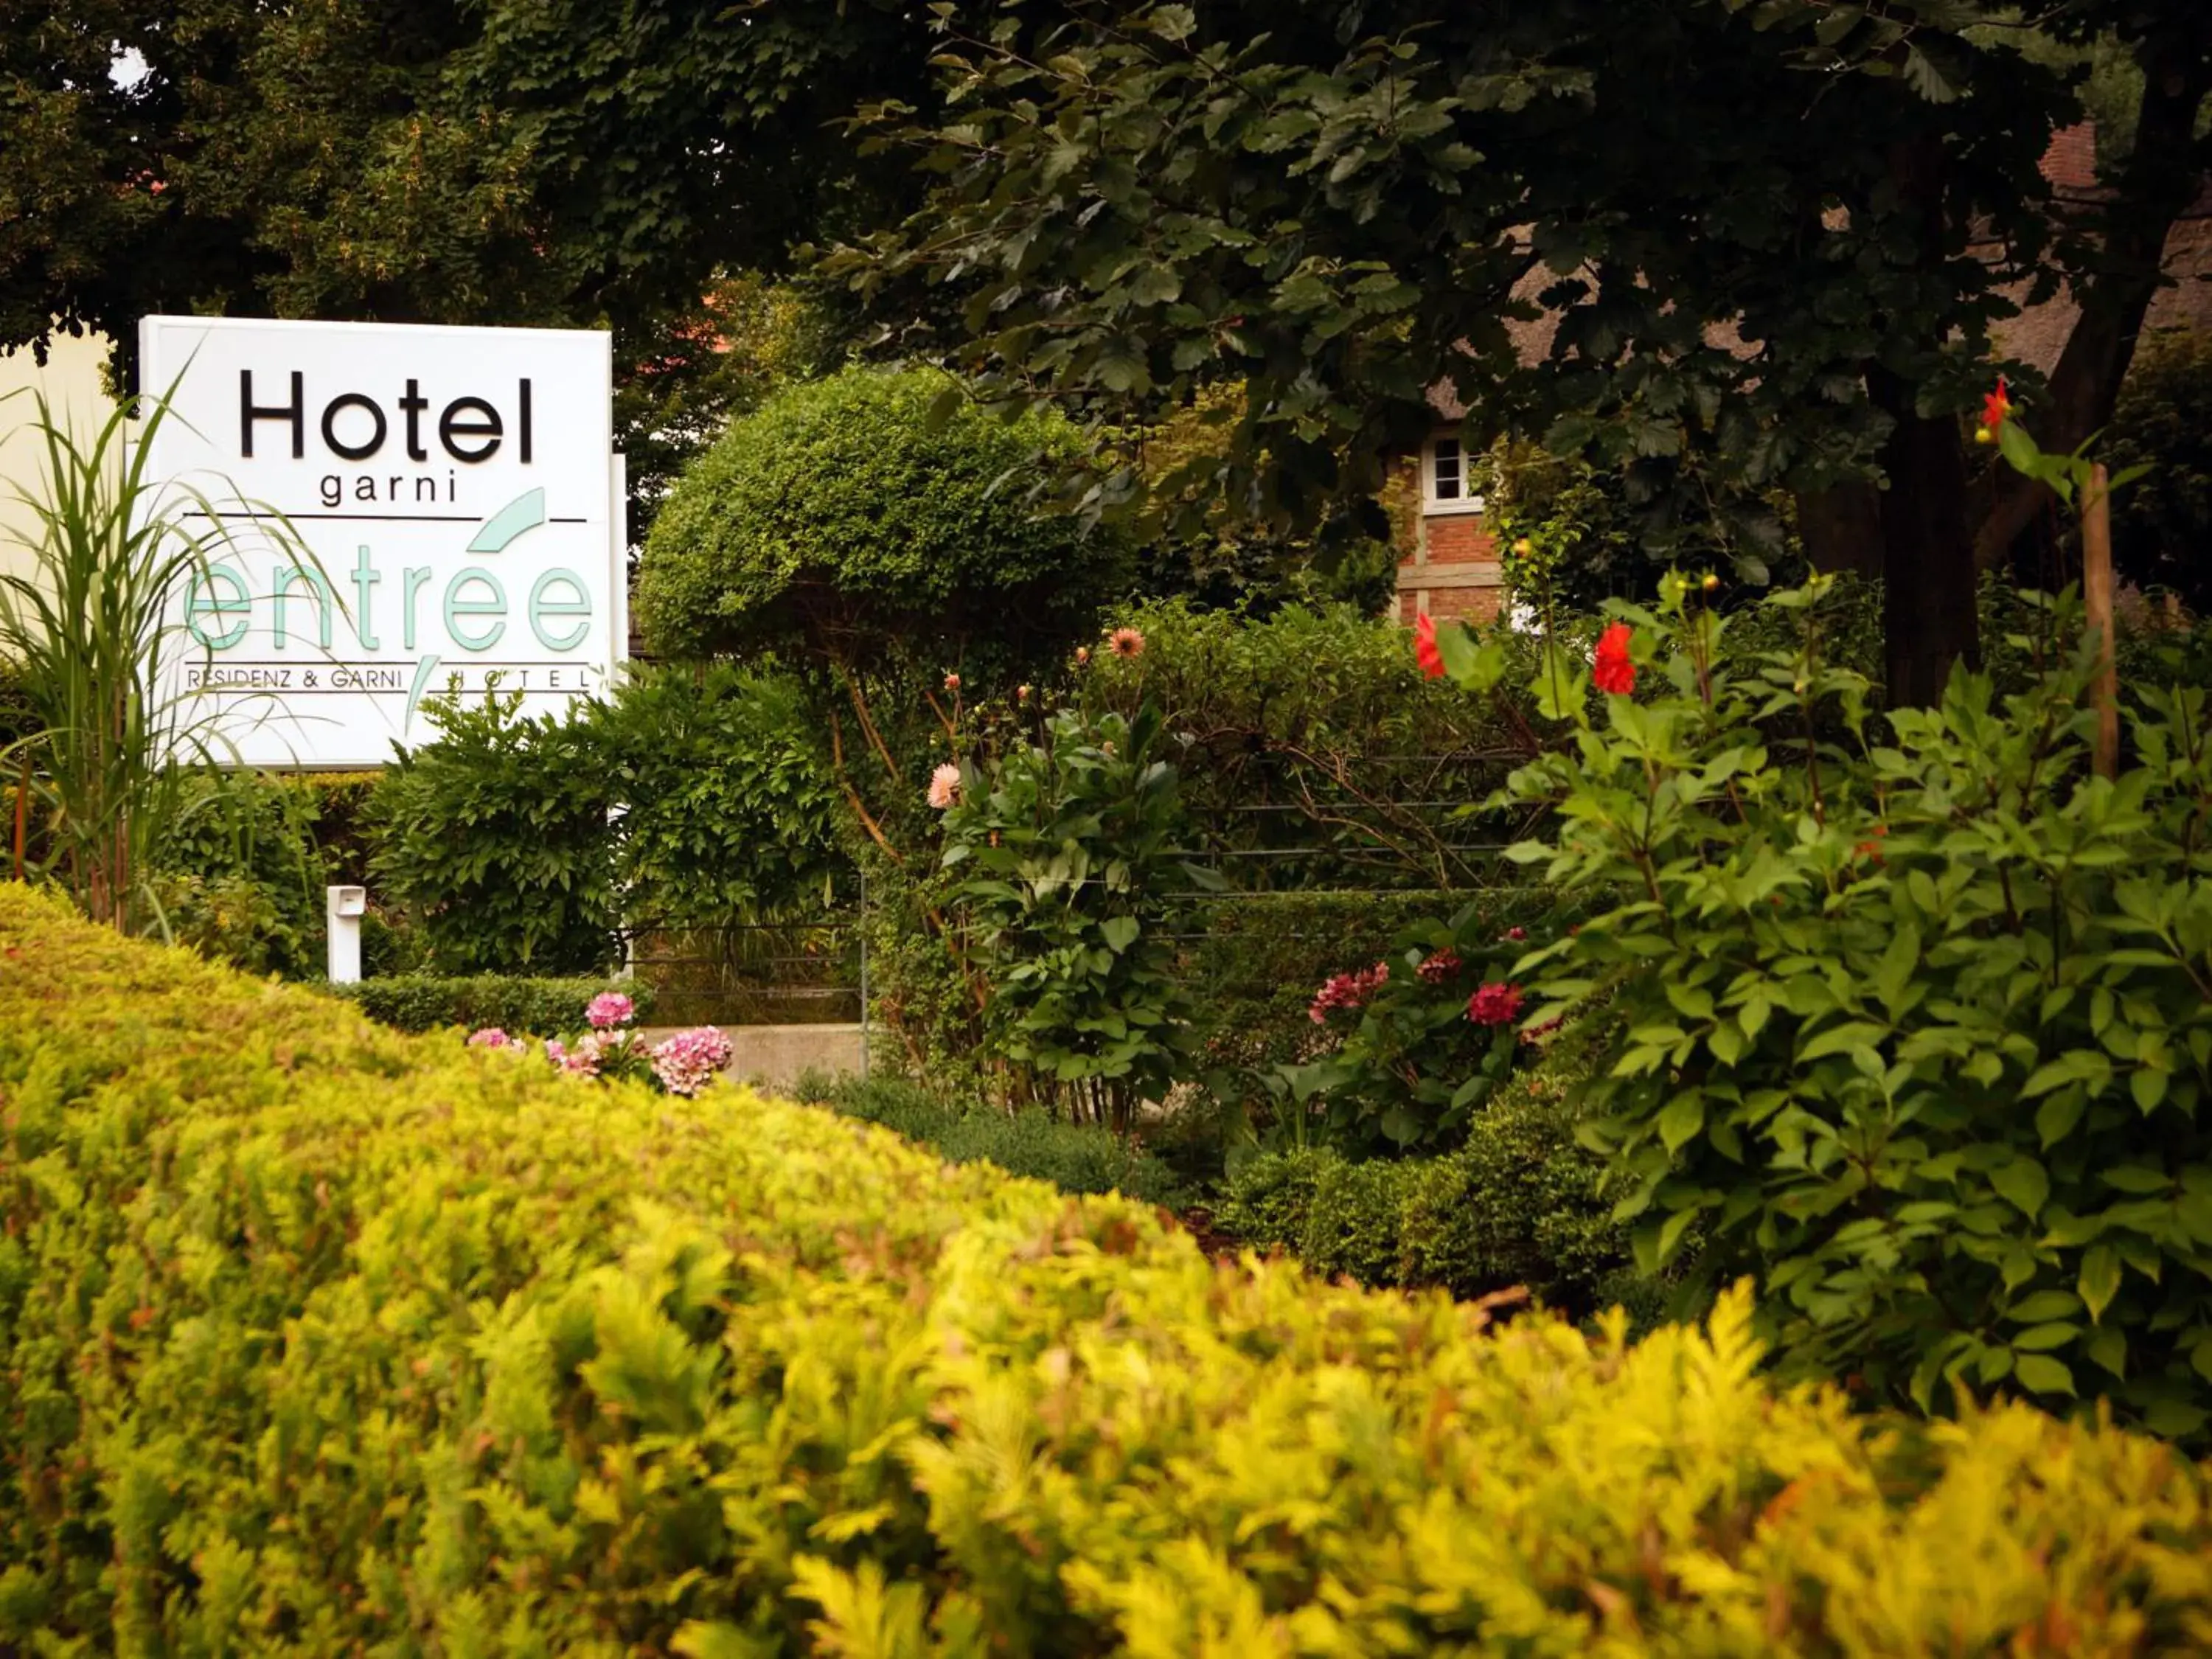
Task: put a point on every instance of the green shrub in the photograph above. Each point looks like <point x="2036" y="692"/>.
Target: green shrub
<point x="1067" y="848"/>
<point x="2162" y="522"/>
<point x="493" y="840"/>
<point x="339" y="806"/>
<point x="1429" y="1033"/>
<point x="18" y="720"/>
<point x="871" y="507"/>
<point x="315" y="1337"/>
<point x="238" y="873"/>
<point x="1076" y="1158"/>
<point x="689" y="803"/>
<point x="518" y="1005"/>
<point x="1916" y="1026"/>
<point x="729" y="810"/>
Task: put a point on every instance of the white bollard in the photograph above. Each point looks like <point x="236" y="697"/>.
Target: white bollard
<point x="341" y="909"/>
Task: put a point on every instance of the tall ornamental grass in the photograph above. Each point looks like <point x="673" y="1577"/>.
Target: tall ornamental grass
<point x="93" y="629"/>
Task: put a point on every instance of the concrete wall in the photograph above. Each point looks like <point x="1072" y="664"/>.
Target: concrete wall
<point x="71" y="383"/>
<point x="773" y="1056"/>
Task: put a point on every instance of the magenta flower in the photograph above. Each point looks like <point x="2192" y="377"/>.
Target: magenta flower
<point x="490" y="1036"/>
<point x="1494" y="1004"/>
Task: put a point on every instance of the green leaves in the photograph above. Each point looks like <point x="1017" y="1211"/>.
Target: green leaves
<point x="1561" y="688"/>
<point x="1074" y="845"/>
<point x="2024" y="1183"/>
<point x="1902" y="1023"/>
<point x="2100" y="1279"/>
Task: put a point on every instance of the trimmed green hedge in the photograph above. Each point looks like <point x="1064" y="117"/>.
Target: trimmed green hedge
<point x="517" y="1004"/>
<point x="319" y="1337"/>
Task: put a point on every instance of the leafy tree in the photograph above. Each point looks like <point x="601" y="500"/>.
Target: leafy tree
<point x="1198" y="545"/>
<point x="521" y="161"/>
<point x="1773" y="238"/>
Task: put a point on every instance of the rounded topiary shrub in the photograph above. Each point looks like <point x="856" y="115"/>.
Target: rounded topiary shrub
<point x="871" y="507"/>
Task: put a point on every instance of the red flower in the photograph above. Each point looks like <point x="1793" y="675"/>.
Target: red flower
<point x="1348" y="992"/>
<point x="1995" y="406"/>
<point x="1611" y="668"/>
<point x="1438" y="966"/>
<point x="1494" y="1004"/>
<point x="1424" y="647"/>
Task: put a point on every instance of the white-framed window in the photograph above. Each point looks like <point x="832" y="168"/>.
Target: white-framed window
<point x="1445" y="486"/>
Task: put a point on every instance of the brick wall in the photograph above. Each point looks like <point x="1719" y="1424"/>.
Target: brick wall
<point x="1446" y="561"/>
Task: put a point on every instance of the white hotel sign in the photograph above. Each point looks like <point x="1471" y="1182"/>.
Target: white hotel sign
<point x="458" y="491"/>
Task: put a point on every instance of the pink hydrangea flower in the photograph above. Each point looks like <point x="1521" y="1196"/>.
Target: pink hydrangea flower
<point x="1347" y="991"/>
<point x="490" y="1036"/>
<point x="1494" y="1004"/>
<point x="944" y="785"/>
<point x="583" y="1060"/>
<point x="609" y="1008"/>
<point x="688" y="1062"/>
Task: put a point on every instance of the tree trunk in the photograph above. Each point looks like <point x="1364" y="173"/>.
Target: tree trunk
<point x="1929" y="619"/>
<point x="1841" y="528"/>
<point x="2160" y="181"/>
<point x="1928" y="612"/>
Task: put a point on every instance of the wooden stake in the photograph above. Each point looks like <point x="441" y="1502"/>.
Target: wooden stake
<point x="2097" y="597"/>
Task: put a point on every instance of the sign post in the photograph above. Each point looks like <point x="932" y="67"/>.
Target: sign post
<point x="451" y="496"/>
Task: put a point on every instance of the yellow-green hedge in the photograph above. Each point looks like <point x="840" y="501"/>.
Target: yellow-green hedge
<point x="317" y="1337"/>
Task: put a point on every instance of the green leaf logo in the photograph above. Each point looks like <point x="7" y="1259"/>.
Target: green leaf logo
<point x="423" y="670"/>
<point x="526" y="512"/>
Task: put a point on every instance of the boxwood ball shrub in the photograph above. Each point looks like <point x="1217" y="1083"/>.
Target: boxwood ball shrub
<point x="319" y="1337"/>
<point x="872" y="506"/>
